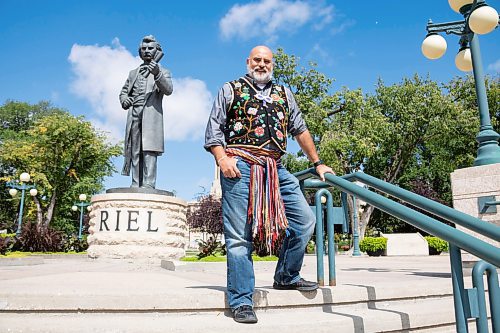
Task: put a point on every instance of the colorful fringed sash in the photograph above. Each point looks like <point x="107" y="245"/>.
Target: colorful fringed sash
<point x="266" y="210"/>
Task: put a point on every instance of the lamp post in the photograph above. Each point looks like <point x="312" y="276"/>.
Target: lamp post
<point x="21" y="185"/>
<point x="81" y="204"/>
<point x="479" y="18"/>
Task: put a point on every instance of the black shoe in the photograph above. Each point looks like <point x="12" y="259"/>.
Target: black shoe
<point x="244" y="314"/>
<point x="301" y="285"/>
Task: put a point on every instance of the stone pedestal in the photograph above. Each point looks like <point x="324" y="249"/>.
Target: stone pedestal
<point x="137" y="226"/>
<point x="470" y="184"/>
<point x="406" y="245"/>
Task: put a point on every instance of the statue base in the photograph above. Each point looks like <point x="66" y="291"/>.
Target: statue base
<point x="137" y="224"/>
<point x="139" y="190"/>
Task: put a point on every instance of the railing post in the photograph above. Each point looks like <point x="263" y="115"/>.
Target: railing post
<point x="331" y="238"/>
<point x="319" y="240"/>
<point x="494" y="295"/>
<point x="459" y="296"/>
<point x="319" y="236"/>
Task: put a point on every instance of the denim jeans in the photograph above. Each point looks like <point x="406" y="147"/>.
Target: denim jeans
<point x="238" y="234"/>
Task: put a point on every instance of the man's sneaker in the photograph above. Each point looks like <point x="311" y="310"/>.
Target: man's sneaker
<point x="244" y="314"/>
<point x="301" y="285"/>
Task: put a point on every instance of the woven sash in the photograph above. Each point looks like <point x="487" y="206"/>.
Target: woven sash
<point x="266" y="210"/>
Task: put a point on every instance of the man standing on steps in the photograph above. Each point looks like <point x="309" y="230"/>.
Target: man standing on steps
<point x="246" y="132"/>
<point x="142" y="95"/>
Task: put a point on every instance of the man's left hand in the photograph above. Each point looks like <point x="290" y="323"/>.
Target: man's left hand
<point x="322" y="169"/>
<point x="154" y="68"/>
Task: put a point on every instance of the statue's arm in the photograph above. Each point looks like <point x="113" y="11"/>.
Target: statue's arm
<point x="164" y="82"/>
<point x="125" y="100"/>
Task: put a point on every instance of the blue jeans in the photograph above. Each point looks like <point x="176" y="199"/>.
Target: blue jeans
<point x="238" y="234"/>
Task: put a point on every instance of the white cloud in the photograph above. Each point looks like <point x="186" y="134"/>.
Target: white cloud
<point x="101" y="71"/>
<point x="186" y="111"/>
<point x="268" y="17"/>
<point x="495" y="67"/>
<point x="342" y="27"/>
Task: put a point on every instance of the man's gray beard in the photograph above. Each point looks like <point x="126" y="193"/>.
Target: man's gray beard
<point x="258" y="77"/>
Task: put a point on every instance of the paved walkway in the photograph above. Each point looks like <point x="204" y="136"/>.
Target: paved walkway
<point x="90" y="289"/>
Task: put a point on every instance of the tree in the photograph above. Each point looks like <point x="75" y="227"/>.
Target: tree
<point x="206" y="216"/>
<point x="64" y="155"/>
<point x="411" y="133"/>
<point x="15" y="118"/>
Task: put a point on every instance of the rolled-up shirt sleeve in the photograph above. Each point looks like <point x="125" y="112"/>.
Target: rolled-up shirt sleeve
<point x="296" y="123"/>
<point x="214" y="133"/>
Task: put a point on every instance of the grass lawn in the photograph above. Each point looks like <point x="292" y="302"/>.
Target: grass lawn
<point x="223" y="258"/>
<point x="19" y="254"/>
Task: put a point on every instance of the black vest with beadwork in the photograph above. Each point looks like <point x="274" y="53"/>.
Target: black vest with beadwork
<point x="254" y="119"/>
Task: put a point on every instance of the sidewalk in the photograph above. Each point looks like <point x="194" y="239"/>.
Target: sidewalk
<point x="82" y="286"/>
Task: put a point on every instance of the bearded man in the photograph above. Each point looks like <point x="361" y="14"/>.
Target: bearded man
<point x="247" y="132"/>
<point x="142" y="95"/>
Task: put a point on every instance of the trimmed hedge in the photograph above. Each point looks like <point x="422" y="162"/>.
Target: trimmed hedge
<point x="373" y="244"/>
<point x="437" y="244"/>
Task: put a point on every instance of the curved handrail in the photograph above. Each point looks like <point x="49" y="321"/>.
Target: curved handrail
<point x="445" y="212"/>
<point x="467" y="242"/>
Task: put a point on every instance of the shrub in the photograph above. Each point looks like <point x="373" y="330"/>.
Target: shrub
<point x="6" y="243"/>
<point x="373" y="244"/>
<point x="208" y="247"/>
<point x="72" y="243"/>
<point x="437" y="243"/>
<point x="39" y="238"/>
<point x="311" y="247"/>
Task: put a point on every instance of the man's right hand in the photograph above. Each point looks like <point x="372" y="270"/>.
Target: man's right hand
<point x="228" y="167"/>
<point x="127" y="103"/>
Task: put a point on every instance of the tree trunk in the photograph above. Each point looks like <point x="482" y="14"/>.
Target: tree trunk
<point x="50" y="209"/>
<point x="39" y="211"/>
<point x="364" y="220"/>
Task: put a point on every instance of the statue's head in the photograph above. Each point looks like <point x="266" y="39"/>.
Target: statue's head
<point x="148" y="48"/>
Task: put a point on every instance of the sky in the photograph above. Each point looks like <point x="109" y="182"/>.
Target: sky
<point x="77" y="55"/>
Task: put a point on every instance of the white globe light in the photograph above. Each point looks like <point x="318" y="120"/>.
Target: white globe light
<point x="13" y="192"/>
<point x="483" y="20"/>
<point x="463" y="60"/>
<point x="74" y="208"/>
<point x="434" y="46"/>
<point x="82" y="197"/>
<point x="457" y="4"/>
<point x="25" y="177"/>
<point x="33" y="192"/>
<point x="89" y="208"/>
<point x="323" y="199"/>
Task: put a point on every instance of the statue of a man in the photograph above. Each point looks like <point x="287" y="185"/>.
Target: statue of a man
<point x="142" y="95"/>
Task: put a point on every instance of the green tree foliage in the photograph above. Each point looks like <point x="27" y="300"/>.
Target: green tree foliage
<point x="310" y="88"/>
<point x="413" y="133"/>
<point x="64" y="155"/>
<point x="15" y="118"/>
<point x="463" y="91"/>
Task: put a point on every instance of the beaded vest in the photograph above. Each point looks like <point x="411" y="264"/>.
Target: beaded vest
<point x="254" y="119"/>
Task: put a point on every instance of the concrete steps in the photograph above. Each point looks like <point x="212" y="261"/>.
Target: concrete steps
<point x="430" y="314"/>
<point x="372" y="295"/>
<point x="345" y="308"/>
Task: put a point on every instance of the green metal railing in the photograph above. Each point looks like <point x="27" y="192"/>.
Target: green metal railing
<point x="469" y="303"/>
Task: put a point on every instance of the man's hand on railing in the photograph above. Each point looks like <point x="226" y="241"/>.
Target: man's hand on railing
<point x="322" y="169"/>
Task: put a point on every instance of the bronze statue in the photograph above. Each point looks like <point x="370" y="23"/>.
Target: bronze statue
<point x="142" y="95"/>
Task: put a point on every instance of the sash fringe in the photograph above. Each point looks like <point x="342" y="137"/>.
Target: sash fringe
<point x="266" y="210"/>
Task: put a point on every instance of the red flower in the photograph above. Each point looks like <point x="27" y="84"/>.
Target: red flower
<point x="259" y="131"/>
<point x="279" y="135"/>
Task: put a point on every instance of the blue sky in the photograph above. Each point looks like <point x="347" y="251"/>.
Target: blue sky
<point x="77" y="54"/>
